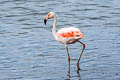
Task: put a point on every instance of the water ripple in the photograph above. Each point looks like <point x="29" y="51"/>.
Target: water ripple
<point x="28" y="50"/>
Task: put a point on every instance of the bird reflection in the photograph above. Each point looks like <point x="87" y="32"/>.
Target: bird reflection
<point x="78" y="76"/>
<point x="78" y="73"/>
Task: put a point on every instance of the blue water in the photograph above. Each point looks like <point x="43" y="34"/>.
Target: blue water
<point x="29" y="52"/>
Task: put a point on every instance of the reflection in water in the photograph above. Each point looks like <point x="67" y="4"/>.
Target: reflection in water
<point x="70" y="76"/>
<point x="79" y="77"/>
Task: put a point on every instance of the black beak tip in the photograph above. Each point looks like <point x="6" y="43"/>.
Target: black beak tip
<point x="45" y="21"/>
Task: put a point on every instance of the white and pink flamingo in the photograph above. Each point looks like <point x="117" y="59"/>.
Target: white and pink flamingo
<point x="66" y="36"/>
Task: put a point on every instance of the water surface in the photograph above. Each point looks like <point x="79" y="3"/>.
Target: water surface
<point x="29" y="52"/>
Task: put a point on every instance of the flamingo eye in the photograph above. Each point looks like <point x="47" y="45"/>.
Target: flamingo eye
<point x="50" y="16"/>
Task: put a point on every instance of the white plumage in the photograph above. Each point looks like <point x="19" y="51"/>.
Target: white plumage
<point x="68" y="35"/>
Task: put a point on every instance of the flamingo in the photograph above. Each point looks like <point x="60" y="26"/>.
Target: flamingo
<point x="67" y="35"/>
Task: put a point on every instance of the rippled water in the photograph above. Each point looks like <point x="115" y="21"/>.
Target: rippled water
<point x="29" y="52"/>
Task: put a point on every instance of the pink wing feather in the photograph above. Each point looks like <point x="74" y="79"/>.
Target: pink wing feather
<point x="70" y="32"/>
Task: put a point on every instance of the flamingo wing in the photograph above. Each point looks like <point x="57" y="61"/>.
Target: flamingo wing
<point x="70" y="32"/>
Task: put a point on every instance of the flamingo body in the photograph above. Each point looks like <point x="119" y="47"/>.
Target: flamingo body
<point x="66" y="36"/>
<point x="69" y="35"/>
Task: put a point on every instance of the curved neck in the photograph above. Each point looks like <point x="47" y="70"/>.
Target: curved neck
<point x="54" y="27"/>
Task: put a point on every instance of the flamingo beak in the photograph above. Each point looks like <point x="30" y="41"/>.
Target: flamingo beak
<point x="45" y="21"/>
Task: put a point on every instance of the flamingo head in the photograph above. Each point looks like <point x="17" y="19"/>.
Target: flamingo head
<point x="49" y="16"/>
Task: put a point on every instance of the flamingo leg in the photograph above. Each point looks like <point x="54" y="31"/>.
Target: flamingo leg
<point x="78" y="68"/>
<point x="68" y="58"/>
